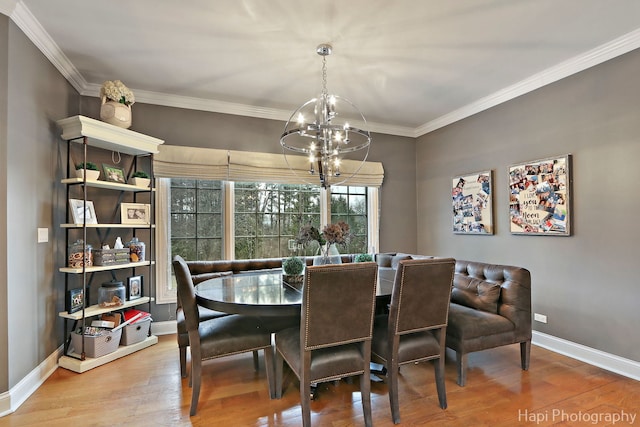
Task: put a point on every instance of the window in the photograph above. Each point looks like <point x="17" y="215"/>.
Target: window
<point x="201" y="219"/>
<point x="267" y="216"/>
<point x="349" y="204"/>
<point x="196" y="219"/>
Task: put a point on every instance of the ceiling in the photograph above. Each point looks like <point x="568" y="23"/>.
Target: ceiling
<point x="410" y="66"/>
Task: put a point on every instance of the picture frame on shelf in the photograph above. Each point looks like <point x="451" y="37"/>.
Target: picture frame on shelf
<point x="134" y="288"/>
<point x="135" y="213"/>
<point x="74" y="300"/>
<point x="472" y="199"/>
<point x="114" y="174"/>
<point x="82" y="211"/>
<point x="540" y="197"/>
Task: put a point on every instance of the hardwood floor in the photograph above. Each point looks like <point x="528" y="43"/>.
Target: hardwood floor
<point x="145" y="389"/>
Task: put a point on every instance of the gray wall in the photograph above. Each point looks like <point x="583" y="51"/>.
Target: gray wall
<point x="36" y="96"/>
<point x="586" y="284"/>
<point x="203" y="129"/>
<point x="213" y="130"/>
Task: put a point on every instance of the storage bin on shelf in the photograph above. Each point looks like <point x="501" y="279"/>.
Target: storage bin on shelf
<point x="97" y="345"/>
<point x="103" y="257"/>
<point x="135" y="332"/>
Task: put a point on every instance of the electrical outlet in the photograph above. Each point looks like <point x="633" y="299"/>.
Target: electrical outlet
<point x="540" y="318"/>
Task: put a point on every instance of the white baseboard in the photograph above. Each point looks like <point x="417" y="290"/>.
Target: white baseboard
<point x="164" y="328"/>
<point x="11" y="400"/>
<point x="610" y="362"/>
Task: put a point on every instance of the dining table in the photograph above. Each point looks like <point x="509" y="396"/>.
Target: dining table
<point x="266" y="293"/>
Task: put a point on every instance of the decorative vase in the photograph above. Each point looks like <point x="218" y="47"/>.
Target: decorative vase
<point x="115" y="113"/>
<point x="328" y="255"/>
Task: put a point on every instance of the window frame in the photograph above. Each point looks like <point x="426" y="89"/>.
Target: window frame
<point x="166" y="294"/>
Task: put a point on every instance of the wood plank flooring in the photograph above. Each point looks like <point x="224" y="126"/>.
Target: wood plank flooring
<point x="145" y="389"/>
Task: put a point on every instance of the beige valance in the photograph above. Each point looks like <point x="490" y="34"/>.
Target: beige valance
<point x="209" y="163"/>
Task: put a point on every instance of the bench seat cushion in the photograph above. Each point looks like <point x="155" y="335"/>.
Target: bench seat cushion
<point x="466" y="323"/>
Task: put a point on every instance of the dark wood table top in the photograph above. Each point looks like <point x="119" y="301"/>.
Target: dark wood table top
<point x="264" y="293"/>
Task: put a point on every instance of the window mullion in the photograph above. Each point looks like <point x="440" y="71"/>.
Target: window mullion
<point x="228" y="216"/>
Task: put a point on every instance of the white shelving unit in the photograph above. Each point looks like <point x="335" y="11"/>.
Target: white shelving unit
<point x="94" y="133"/>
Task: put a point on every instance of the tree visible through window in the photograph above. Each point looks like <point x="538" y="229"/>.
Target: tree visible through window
<point x="196" y="219"/>
<point x="267" y="216"/>
<point x="349" y="204"/>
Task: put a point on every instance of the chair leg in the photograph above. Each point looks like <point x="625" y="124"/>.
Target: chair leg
<point x="305" y="402"/>
<point x="392" y="376"/>
<point x="196" y="372"/>
<point x="256" y="361"/>
<point x="365" y="392"/>
<point x="183" y="362"/>
<point x="268" y="367"/>
<point x="525" y="353"/>
<point x="461" y="361"/>
<point x="279" y="362"/>
<point x="442" y="393"/>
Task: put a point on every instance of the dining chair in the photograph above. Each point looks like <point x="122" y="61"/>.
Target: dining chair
<point x="415" y="328"/>
<point x="333" y="340"/>
<point x="218" y="337"/>
<point x="182" y="334"/>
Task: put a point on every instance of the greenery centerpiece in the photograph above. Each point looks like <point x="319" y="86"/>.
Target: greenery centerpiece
<point x="292" y="269"/>
<point x="363" y="258"/>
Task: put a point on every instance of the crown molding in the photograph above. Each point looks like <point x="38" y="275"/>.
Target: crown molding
<point x="35" y="32"/>
<point x="30" y="26"/>
<point x="7" y="6"/>
<point x="214" y="106"/>
<point x="591" y="58"/>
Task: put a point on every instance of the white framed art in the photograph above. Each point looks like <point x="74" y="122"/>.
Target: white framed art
<point x="82" y="212"/>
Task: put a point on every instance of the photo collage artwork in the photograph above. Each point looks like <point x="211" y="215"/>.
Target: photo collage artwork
<point x="539" y="199"/>
<point x="472" y="204"/>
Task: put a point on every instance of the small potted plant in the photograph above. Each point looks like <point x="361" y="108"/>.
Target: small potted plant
<point x="140" y="179"/>
<point x="292" y="269"/>
<point x="93" y="173"/>
<point x="363" y="258"/>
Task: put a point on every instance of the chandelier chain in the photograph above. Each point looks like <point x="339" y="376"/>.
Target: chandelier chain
<point x="324" y="77"/>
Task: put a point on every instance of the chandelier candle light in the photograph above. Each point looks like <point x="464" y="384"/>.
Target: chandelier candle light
<point x="320" y="129"/>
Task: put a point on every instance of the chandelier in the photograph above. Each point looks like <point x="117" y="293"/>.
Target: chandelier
<point x="323" y="130"/>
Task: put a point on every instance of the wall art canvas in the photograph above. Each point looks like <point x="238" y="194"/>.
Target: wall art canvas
<point x="472" y="203"/>
<point x="540" y="197"/>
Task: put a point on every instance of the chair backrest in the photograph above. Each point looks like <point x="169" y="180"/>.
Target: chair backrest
<point x="186" y="293"/>
<point x="338" y="303"/>
<point x="421" y="295"/>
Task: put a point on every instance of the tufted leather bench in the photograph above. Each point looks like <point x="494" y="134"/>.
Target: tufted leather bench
<point x="490" y="307"/>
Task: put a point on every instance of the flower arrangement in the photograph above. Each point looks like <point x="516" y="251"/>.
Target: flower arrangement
<point x="117" y="91"/>
<point x="337" y="233"/>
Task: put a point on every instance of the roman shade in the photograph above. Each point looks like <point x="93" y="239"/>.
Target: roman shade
<point x="243" y="166"/>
